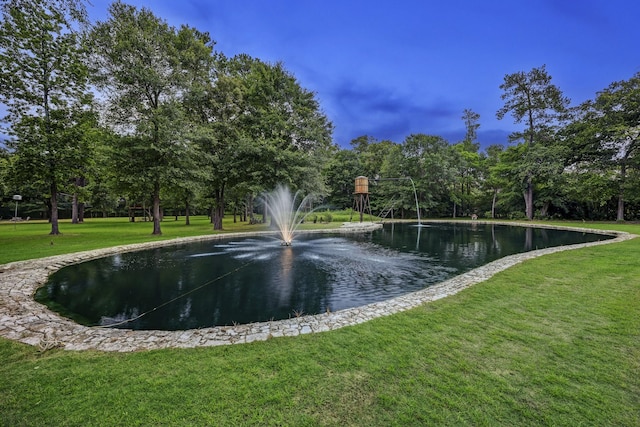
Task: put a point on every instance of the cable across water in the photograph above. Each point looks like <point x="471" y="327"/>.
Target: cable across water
<point x="172" y="300"/>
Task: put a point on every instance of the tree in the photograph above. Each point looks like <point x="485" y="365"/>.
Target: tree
<point x="618" y="132"/>
<point x="430" y="162"/>
<point x="494" y="180"/>
<point x="340" y="173"/>
<point x="145" y="67"/>
<point x="468" y="164"/>
<point x="532" y="98"/>
<point x="471" y="125"/>
<point x="290" y="129"/>
<point x="43" y="83"/>
<point x="216" y="108"/>
<point x="603" y="138"/>
<point x="371" y="154"/>
<point x="259" y="128"/>
<point x="4" y="173"/>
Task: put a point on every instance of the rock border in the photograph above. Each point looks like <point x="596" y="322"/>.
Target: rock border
<point x="23" y="319"/>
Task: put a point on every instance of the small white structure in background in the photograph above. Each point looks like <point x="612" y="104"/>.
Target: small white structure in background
<point x="17" y="198"/>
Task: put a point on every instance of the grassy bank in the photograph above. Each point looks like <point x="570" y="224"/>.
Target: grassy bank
<point x="553" y="341"/>
<point x="27" y="240"/>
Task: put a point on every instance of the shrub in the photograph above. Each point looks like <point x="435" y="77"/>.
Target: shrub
<point x="517" y="215"/>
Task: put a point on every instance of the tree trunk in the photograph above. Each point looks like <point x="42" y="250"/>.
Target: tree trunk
<point x="74" y="209"/>
<point x="218" y="210"/>
<point x="528" y="199"/>
<point x="54" y="209"/>
<point x="249" y="209"/>
<point x="545" y="209"/>
<point x="80" y="212"/>
<point x="235" y="211"/>
<point x="187" y="213"/>
<point x="620" y="215"/>
<point x="218" y="214"/>
<point x="623" y="177"/>
<point x="77" y="208"/>
<point x="462" y="195"/>
<point x="493" y="202"/>
<point x="156" y="209"/>
<point x="243" y="213"/>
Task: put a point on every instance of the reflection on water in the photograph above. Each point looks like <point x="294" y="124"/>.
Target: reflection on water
<point x="249" y="280"/>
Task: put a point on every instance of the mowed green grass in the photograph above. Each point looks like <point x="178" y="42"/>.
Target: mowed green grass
<point x="31" y="239"/>
<point x="552" y="341"/>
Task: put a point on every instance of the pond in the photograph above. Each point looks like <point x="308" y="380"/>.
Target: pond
<point x="245" y="280"/>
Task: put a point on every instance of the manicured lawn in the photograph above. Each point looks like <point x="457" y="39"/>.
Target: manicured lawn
<point x="553" y="341"/>
<point x="27" y="240"/>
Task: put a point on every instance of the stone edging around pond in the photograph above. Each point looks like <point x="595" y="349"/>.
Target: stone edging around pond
<point x="23" y="319"/>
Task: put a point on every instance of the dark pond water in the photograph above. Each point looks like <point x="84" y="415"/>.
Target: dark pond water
<point x="237" y="281"/>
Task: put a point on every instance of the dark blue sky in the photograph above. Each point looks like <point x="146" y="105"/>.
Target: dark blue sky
<point x="390" y="69"/>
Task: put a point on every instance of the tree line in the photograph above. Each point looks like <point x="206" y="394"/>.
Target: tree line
<point x="132" y="112"/>
<point x="567" y="162"/>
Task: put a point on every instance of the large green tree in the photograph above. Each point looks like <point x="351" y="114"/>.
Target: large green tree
<point x="43" y="84"/>
<point x="372" y="154"/>
<point x="259" y="128"/>
<point x="603" y="139"/>
<point x="340" y="173"/>
<point x="494" y="180"/>
<point x="145" y="67"/>
<point x="292" y="132"/>
<point x="618" y="133"/>
<point x="430" y="162"/>
<point x="468" y="165"/>
<point x="532" y="99"/>
<point x="216" y="108"/>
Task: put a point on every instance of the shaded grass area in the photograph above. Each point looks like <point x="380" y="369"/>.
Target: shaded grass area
<point x="553" y="341"/>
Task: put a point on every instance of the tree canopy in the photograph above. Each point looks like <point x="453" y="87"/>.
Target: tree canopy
<point x="131" y="113"/>
<point x="44" y="85"/>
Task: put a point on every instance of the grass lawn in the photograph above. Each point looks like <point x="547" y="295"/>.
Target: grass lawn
<point x="553" y="341"/>
<point x="27" y="240"/>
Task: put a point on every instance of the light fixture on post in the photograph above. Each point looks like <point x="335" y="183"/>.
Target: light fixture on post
<point x="17" y="198"/>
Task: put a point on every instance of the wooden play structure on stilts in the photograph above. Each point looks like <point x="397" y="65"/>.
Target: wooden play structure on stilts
<point x="361" y="197"/>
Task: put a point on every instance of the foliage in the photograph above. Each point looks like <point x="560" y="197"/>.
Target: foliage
<point x="340" y="172"/>
<point x="257" y="127"/>
<point x="43" y="84"/>
<point x="144" y="66"/>
<point x="532" y="98"/>
<point x="183" y="127"/>
<point x="428" y="160"/>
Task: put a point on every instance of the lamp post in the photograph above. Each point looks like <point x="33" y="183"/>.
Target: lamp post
<point x="17" y="198"/>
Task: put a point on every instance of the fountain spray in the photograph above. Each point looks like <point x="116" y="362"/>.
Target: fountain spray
<point x="281" y="206"/>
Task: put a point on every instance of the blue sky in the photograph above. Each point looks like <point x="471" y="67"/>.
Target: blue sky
<point x="390" y="69"/>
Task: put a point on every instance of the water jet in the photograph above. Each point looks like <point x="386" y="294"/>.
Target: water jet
<point x="280" y="204"/>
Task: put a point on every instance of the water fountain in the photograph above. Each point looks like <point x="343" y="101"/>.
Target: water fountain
<point x="280" y="204"/>
<point x="229" y="280"/>
<point x="241" y="280"/>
